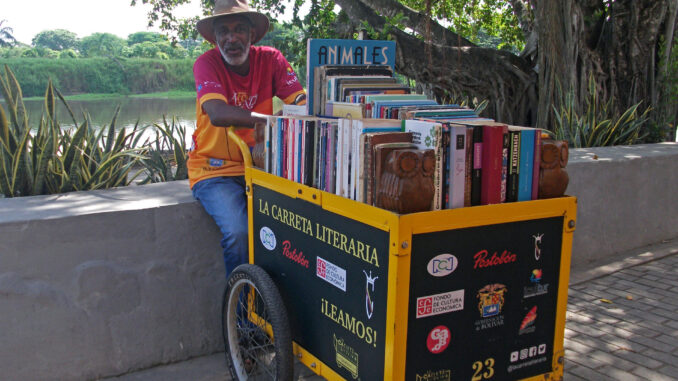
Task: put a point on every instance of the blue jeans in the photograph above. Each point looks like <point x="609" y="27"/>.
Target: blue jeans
<point x="225" y="200"/>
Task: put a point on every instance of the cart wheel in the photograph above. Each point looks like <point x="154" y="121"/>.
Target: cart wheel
<point x="255" y="327"/>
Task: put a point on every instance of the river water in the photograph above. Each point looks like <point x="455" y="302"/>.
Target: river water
<point x="147" y="111"/>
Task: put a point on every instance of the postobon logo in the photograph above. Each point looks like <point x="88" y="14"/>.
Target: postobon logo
<point x="442" y="265"/>
<point x="267" y="238"/>
<point x="346" y="356"/>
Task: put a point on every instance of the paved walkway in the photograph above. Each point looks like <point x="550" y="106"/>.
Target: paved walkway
<point x="622" y="324"/>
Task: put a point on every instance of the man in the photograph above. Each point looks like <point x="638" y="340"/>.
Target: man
<point x="235" y="85"/>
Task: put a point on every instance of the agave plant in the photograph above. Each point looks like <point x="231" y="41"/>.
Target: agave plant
<point x="53" y="160"/>
<point x="167" y="157"/>
<point x="597" y="127"/>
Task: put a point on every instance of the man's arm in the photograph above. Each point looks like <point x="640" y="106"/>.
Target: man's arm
<point x="222" y="114"/>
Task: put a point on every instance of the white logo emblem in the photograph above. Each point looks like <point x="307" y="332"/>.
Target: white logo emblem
<point x="537" y="245"/>
<point x="442" y="265"/>
<point x="369" y="301"/>
<point x="267" y="238"/>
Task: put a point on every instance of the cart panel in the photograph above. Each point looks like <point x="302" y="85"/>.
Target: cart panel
<point x="332" y="272"/>
<point x="483" y="301"/>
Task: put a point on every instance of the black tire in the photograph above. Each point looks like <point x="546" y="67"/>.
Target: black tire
<point x="251" y="353"/>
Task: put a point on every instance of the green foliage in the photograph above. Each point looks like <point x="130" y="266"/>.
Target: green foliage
<point x="57" y="39"/>
<point x="139" y="37"/>
<point x="102" y="44"/>
<point x="52" y="160"/>
<point x="102" y="75"/>
<point x="597" y="127"/>
<point x="168" y="156"/>
<point x="477" y="20"/>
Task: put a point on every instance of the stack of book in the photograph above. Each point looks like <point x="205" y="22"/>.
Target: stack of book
<point x="479" y="162"/>
<point x="359" y="114"/>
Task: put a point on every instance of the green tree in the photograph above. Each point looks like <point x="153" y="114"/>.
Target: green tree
<point x="566" y="41"/>
<point x="102" y="44"/>
<point x="6" y="35"/>
<point x="57" y="39"/>
<point x="139" y="37"/>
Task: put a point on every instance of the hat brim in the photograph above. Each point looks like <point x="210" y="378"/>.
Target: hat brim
<point x="259" y="21"/>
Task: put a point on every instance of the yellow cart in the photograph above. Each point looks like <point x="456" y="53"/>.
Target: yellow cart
<point x="476" y="293"/>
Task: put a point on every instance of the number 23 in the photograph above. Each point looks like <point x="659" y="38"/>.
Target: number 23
<point x="478" y="367"/>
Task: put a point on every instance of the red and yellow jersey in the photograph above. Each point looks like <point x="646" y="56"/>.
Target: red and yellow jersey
<point x="213" y="154"/>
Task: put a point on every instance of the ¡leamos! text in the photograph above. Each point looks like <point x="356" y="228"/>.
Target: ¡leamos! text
<point x="334" y="238"/>
<point x="481" y="259"/>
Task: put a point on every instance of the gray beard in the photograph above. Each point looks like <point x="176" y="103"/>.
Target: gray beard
<point x="238" y="60"/>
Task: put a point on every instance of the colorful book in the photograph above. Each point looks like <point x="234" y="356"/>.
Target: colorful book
<point x="457" y="170"/>
<point x="514" y="165"/>
<point x="492" y="163"/>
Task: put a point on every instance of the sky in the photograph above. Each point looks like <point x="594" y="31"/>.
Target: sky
<point x="82" y="17"/>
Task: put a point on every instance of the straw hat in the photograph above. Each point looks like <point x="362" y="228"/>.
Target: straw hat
<point x="233" y="7"/>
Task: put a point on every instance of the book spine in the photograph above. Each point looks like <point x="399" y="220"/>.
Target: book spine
<point x="526" y="163"/>
<point x="504" y="163"/>
<point x="493" y="141"/>
<point x="477" y="165"/>
<point x="514" y="167"/>
<point x="438" y="175"/>
<point x="537" y="164"/>
<point x="447" y="165"/>
<point x="309" y="153"/>
<point x="457" y="167"/>
<point x="346" y="158"/>
<point x="469" y="166"/>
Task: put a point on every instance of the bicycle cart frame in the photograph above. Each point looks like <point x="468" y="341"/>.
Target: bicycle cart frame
<point x="414" y="300"/>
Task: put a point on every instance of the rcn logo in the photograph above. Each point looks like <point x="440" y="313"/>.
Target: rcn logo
<point x="267" y="238"/>
<point x="442" y="265"/>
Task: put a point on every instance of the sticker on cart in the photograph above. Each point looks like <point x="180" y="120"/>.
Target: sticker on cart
<point x="346" y="356"/>
<point x="536" y="288"/>
<point x="537" y="245"/>
<point x="438" y="339"/>
<point x="440" y="303"/>
<point x="438" y="375"/>
<point x="527" y="325"/>
<point x="369" y="290"/>
<point x="267" y="238"/>
<point x="490" y="304"/>
<point x="442" y="265"/>
<point x="527" y="357"/>
<point x="331" y="273"/>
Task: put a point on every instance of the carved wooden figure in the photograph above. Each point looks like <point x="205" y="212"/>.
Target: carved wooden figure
<point x="553" y="178"/>
<point x="406" y="186"/>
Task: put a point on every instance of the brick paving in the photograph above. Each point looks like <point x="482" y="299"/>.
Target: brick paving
<point x="624" y="326"/>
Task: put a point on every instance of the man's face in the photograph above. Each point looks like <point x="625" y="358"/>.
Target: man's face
<point x="234" y="35"/>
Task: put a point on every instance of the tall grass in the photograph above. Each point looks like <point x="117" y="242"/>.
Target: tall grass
<point x="102" y="75"/>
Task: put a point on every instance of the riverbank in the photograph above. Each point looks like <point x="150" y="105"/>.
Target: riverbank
<point x="172" y="94"/>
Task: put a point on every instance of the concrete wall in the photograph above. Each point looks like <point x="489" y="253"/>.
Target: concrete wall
<point x="96" y="284"/>
<point x="100" y="283"/>
<point x="627" y="198"/>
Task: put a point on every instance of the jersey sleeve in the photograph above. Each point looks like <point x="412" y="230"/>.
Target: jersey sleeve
<point x="287" y="86"/>
<point x="207" y="83"/>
